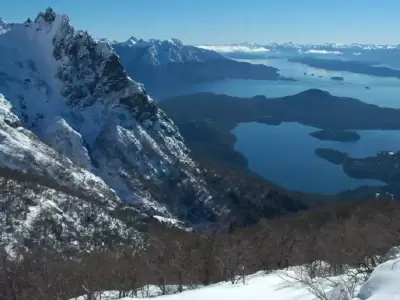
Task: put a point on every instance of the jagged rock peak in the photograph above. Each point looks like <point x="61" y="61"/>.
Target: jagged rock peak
<point x="132" y="39"/>
<point x="48" y="16"/>
<point x="176" y="41"/>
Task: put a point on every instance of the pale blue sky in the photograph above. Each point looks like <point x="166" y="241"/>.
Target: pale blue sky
<point x="226" y="21"/>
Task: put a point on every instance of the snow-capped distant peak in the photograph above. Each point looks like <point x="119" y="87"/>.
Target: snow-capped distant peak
<point x="132" y="39"/>
<point x="322" y="51"/>
<point x="235" y="48"/>
<point x="176" y="41"/>
<point x="161" y="52"/>
<point x="131" y="42"/>
<point x="326" y="48"/>
<point x="107" y="41"/>
<point x="135" y="42"/>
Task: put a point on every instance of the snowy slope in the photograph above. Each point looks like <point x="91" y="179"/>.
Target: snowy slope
<point x="259" y="286"/>
<point x="384" y="283"/>
<point x="58" y="218"/>
<point x="74" y="94"/>
<point x="44" y="196"/>
<point x="22" y="151"/>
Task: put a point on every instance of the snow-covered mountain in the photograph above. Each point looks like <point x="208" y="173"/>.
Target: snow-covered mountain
<point x="383" y="284"/>
<point x="167" y="62"/>
<point x="239" y="47"/>
<point x="356" y="46"/>
<point x="369" y="53"/>
<point x="162" y="52"/>
<point x="256" y="47"/>
<point x="73" y="115"/>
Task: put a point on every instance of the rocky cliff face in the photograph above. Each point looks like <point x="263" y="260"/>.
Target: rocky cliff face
<point x="73" y="115"/>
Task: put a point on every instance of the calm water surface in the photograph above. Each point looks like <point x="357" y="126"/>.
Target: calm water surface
<point x="285" y="154"/>
<point x="382" y="91"/>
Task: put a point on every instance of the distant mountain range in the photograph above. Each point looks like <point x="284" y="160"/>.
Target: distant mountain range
<point x="162" y="52"/>
<point x="256" y="47"/>
<point x="387" y="55"/>
<point x="170" y="62"/>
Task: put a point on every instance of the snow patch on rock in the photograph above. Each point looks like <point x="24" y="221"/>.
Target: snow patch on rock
<point x="68" y="142"/>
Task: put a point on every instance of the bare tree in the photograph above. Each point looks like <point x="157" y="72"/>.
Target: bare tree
<point x="234" y="250"/>
<point x="159" y="257"/>
<point x="323" y="287"/>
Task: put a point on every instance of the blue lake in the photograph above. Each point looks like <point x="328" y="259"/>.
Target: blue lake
<point x="285" y="155"/>
<point x="382" y="92"/>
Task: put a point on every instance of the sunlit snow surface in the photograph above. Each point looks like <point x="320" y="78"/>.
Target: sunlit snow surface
<point x="313" y="51"/>
<point x="259" y="286"/>
<point x="234" y="48"/>
<point x="384" y="284"/>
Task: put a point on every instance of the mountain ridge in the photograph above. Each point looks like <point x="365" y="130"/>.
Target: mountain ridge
<point x="170" y="62"/>
<point x="266" y="46"/>
<point x="71" y="93"/>
<point x="160" y="52"/>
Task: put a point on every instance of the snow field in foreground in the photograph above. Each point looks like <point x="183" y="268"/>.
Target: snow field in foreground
<point x="384" y="284"/>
